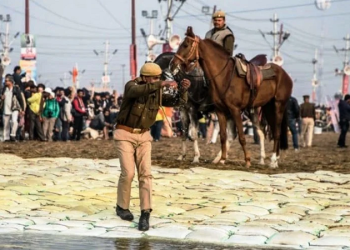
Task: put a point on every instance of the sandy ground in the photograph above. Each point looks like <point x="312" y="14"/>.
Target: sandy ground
<point x="324" y="155"/>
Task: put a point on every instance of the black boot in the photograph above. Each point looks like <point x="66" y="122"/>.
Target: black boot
<point x="144" y="220"/>
<point x="124" y="214"/>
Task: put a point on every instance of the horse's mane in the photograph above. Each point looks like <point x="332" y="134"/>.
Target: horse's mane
<point x="217" y="46"/>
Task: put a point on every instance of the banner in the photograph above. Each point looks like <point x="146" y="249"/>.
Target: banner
<point x="345" y="88"/>
<point x="29" y="68"/>
<point x="28" y="57"/>
<point x="28" y="47"/>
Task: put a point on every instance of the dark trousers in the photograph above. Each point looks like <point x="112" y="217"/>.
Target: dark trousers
<point x="293" y="129"/>
<point x="256" y="136"/>
<point x="77" y="127"/>
<point x="344" y="127"/>
<point x="203" y="129"/>
<point x="35" y="123"/>
<point x="156" y="130"/>
<point x="65" y="131"/>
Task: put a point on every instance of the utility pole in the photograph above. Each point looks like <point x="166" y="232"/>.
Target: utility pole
<point x="345" y="72"/>
<point x="151" y="40"/>
<point x="278" y="39"/>
<point x="27" y="17"/>
<point x="106" y="76"/>
<point x="6" y="43"/>
<point x="206" y="11"/>
<point x="169" y="23"/>
<point x="65" y="79"/>
<point x="314" y="82"/>
<point x="275" y="34"/>
<point x="133" y="51"/>
<point x="169" y="18"/>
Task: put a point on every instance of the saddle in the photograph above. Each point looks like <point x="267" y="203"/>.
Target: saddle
<point x="255" y="71"/>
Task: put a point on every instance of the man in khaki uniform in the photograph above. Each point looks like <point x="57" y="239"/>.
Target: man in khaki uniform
<point x="307" y="113"/>
<point x="138" y="111"/>
<point x="221" y="33"/>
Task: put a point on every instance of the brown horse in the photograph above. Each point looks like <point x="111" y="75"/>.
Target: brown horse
<point x="231" y="93"/>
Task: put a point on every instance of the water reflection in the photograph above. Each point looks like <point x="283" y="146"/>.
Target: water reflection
<point x="60" y="242"/>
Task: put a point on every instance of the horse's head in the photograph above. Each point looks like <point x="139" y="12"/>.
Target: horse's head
<point x="187" y="55"/>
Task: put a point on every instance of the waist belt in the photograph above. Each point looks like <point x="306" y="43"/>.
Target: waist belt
<point x="132" y="130"/>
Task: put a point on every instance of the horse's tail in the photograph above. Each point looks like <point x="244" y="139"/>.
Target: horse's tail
<point x="284" y="132"/>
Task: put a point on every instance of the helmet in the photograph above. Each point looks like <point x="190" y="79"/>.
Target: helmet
<point x="150" y="69"/>
<point x="219" y="13"/>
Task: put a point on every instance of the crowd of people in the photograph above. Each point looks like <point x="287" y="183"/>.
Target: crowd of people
<point x="36" y="112"/>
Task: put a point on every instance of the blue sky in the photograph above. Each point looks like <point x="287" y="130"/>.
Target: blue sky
<point x="68" y="31"/>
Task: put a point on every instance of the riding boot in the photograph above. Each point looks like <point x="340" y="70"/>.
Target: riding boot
<point x="124" y="214"/>
<point x="144" y="220"/>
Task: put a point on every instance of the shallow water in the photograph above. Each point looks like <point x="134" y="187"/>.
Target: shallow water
<point x="53" y="242"/>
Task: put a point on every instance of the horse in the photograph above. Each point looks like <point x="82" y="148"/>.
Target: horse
<point x="232" y="93"/>
<point x="199" y="102"/>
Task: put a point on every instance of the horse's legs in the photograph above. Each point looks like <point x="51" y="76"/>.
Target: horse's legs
<point x="236" y="114"/>
<point x="223" y="135"/>
<point x="257" y="124"/>
<point x="262" y="145"/>
<point x="230" y="132"/>
<point x="185" y="128"/>
<point x="194" y="132"/>
<point x="193" y="129"/>
<point x="279" y="111"/>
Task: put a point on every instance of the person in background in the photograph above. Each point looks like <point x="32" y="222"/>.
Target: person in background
<point x="307" y="113"/>
<point x="293" y="113"/>
<point x="66" y="114"/>
<point x="50" y="114"/>
<point x="203" y="127"/>
<point x="79" y="111"/>
<point x="59" y="92"/>
<point x="108" y="124"/>
<point x="36" y="106"/>
<point x="344" y="119"/>
<point x="156" y="128"/>
<point x="18" y="78"/>
<point x="114" y="109"/>
<point x="13" y="106"/>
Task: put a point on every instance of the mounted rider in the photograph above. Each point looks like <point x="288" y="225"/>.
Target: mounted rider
<point x="221" y="33"/>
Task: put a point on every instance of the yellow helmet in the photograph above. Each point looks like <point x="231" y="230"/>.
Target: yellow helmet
<point x="150" y="69"/>
<point x="219" y="13"/>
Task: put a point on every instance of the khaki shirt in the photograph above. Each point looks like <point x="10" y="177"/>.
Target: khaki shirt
<point x="141" y="102"/>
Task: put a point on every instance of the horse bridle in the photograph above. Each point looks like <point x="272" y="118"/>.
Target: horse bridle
<point x="194" y="49"/>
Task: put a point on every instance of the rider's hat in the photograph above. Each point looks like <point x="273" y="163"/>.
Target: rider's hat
<point x="219" y="13"/>
<point x="306" y="96"/>
<point x="150" y="69"/>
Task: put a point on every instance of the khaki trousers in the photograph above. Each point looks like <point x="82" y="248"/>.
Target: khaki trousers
<point x="134" y="150"/>
<point x="307" y="131"/>
<point x="48" y="125"/>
